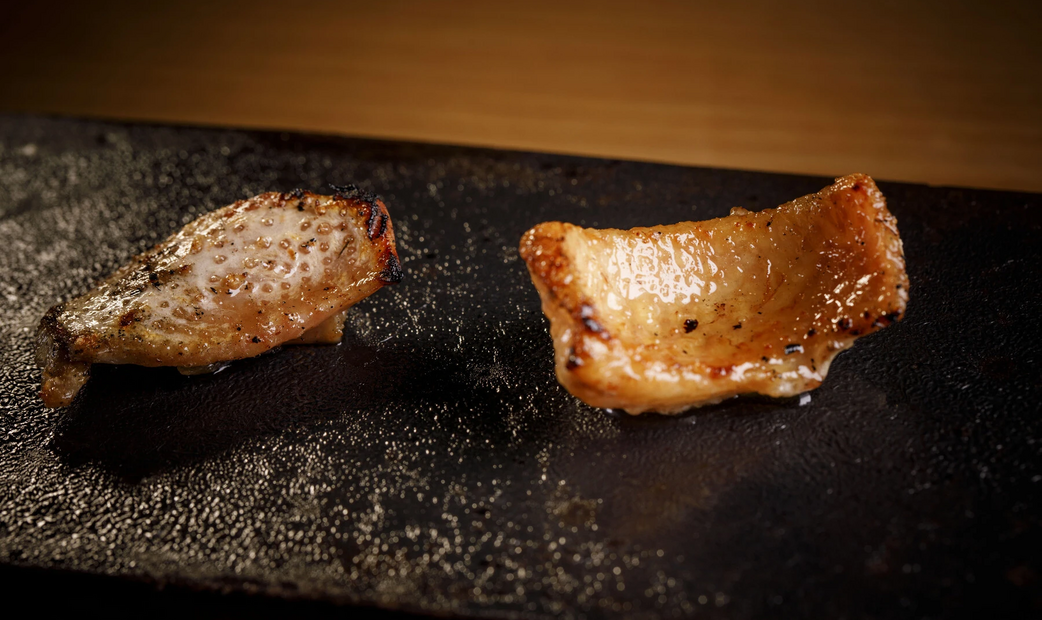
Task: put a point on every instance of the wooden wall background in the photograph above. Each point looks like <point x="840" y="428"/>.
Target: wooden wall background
<point x="939" y="92"/>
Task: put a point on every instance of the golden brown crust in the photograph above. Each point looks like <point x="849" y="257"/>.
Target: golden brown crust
<point x="670" y="317"/>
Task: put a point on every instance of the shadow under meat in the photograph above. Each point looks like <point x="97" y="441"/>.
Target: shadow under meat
<point x="135" y="421"/>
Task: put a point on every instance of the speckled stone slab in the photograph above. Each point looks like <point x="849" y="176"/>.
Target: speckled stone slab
<point x="431" y="463"/>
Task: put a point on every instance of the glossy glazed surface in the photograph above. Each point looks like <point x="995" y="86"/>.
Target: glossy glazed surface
<point x="670" y="317"/>
<point x="232" y="284"/>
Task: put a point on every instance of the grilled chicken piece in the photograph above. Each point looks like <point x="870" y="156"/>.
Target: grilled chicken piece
<point x="672" y="317"/>
<point x="274" y="269"/>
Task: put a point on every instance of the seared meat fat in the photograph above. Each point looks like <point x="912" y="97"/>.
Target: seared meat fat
<point x="234" y="283"/>
<point x="671" y="317"/>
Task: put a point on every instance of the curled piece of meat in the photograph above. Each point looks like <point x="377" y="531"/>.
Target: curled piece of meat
<point x="672" y="317"/>
<point x="275" y="269"/>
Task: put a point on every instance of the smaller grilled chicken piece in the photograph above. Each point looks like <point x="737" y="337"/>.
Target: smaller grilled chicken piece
<point x="274" y="269"/>
<point x="672" y="317"/>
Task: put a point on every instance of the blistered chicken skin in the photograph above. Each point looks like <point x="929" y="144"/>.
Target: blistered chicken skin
<point x="672" y="317"/>
<point x="275" y="269"/>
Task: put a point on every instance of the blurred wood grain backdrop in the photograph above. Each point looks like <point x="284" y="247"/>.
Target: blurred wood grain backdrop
<point x="929" y="91"/>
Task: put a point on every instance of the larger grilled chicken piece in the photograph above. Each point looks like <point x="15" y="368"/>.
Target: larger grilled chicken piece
<point x="671" y="317"/>
<point x="274" y="269"/>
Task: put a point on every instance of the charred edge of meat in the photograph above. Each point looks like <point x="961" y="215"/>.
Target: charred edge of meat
<point x="541" y="250"/>
<point x="62" y="376"/>
<point x="392" y="272"/>
<point x="353" y="192"/>
<point x="297" y="193"/>
<point x="378" y="219"/>
<point x="52" y="339"/>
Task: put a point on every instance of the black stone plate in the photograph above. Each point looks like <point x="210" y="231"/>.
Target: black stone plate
<point x="431" y="463"/>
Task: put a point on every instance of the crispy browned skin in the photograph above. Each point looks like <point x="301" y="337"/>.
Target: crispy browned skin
<point x="271" y="270"/>
<point x="671" y="317"/>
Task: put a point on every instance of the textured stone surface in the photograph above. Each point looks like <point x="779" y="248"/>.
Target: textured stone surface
<point x="432" y="463"/>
